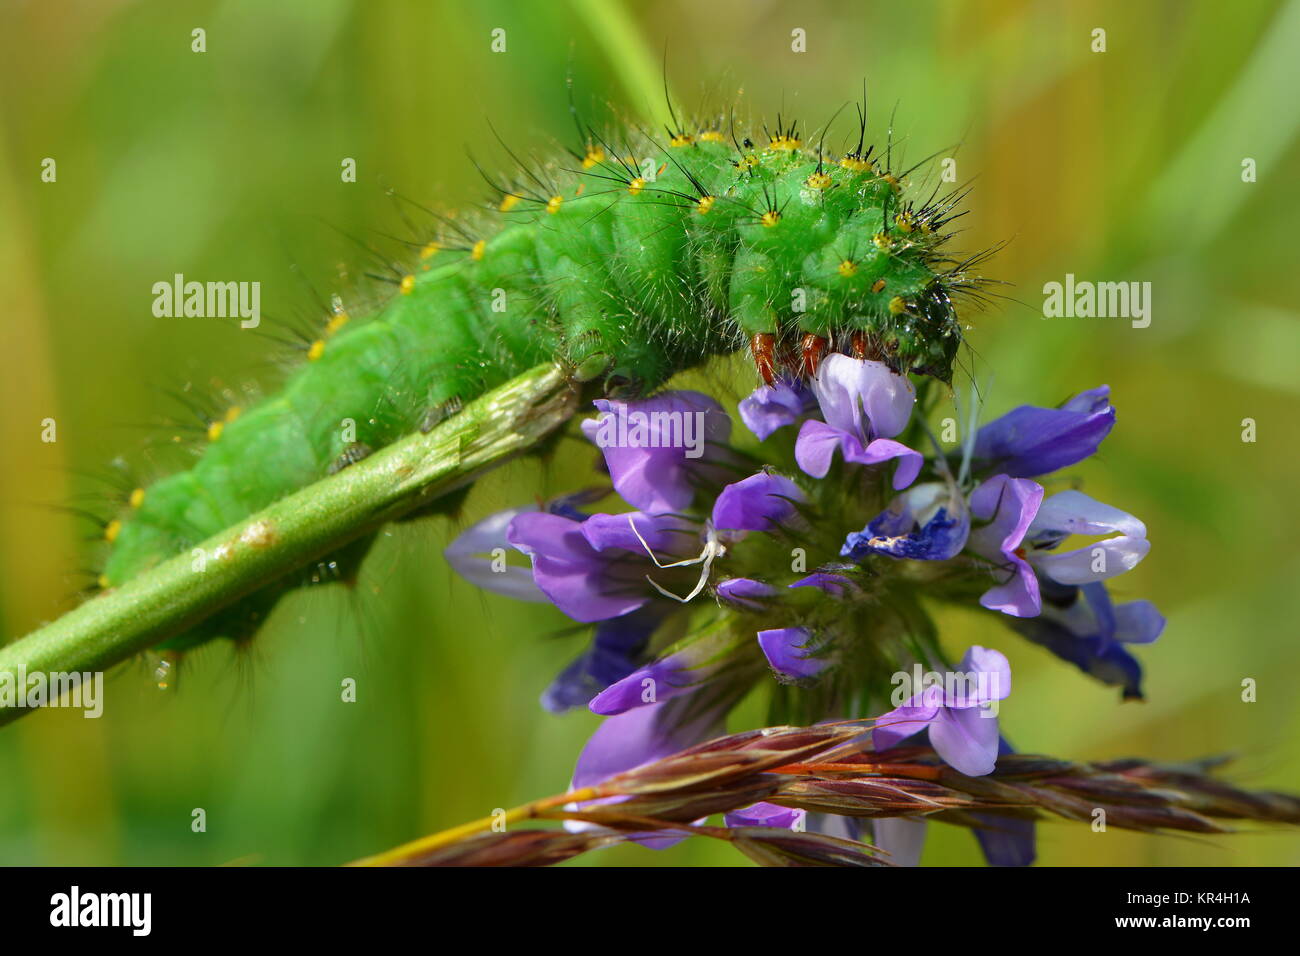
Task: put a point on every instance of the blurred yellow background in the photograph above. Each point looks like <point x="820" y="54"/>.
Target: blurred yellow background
<point x="1116" y="165"/>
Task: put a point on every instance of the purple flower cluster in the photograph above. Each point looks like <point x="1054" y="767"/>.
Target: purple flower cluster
<point x="725" y="567"/>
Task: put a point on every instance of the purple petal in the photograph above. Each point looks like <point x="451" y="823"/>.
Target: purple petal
<point x="815" y="447"/>
<point x="770" y="407"/>
<point x="569" y="571"/>
<point x="893" y="728"/>
<point x="744" y="592"/>
<point x="663" y="680"/>
<point x="615" y="648"/>
<point x="764" y="815"/>
<point x="992" y="671"/>
<point x="760" y="502"/>
<point x="465" y="557"/>
<point x="787" y="650"/>
<point x="652" y="466"/>
<point x="1011" y="504"/>
<point x="641" y="735"/>
<point x="665" y="534"/>
<point x="836" y="585"/>
<point x="967" y="739"/>
<point x="1030" y="441"/>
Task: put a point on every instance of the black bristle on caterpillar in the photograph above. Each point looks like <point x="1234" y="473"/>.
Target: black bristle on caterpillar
<point x="626" y="260"/>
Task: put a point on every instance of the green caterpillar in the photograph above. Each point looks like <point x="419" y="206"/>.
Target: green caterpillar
<point x="633" y="261"/>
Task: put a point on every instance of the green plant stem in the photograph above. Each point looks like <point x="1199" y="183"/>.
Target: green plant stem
<point x="301" y="528"/>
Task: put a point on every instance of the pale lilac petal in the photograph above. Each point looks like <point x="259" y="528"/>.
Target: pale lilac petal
<point x="863" y="398"/>
<point x="967" y="740"/>
<point x="789" y="651"/>
<point x="902" y="838"/>
<point x="1097" y="562"/>
<point x="994" y="671"/>
<point x="1073" y="512"/>
<point x="760" y="502"/>
<point x="465" y="555"/>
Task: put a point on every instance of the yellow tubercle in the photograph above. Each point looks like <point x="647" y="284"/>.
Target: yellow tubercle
<point x="595" y="155"/>
<point x="704" y="205"/>
<point x="112" y="530"/>
<point x="553" y="204"/>
<point x="408" y="283"/>
<point x="847" y="268"/>
<point x="137" y="498"/>
<point x="508" y="202"/>
<point x="770" y="218"/>
<point x="103" y="582"/>
<point x="215" y="430"/>
<point x="855" y="164"/>
<point x="897" y="306"/>
<point x="882" y="241"/>
<point x="430" y="250"/>
<point x="785" y="143"/>
<point x="336" y="322"/>
<point x="233" y="412"/>
<point x="476" y="253"/>
<point x="636" y="185"/>
<point x="712" y="136"/>
<point x="819" y="181"/>
<point x="315" y="350"/>
<point x="905" y="223"/>
<point x="681" y="139"/>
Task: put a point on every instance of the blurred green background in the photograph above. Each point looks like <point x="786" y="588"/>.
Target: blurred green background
<point x="1117" y="165"/>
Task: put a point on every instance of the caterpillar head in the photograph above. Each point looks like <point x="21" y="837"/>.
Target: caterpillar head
<point x="834" y="257"/>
